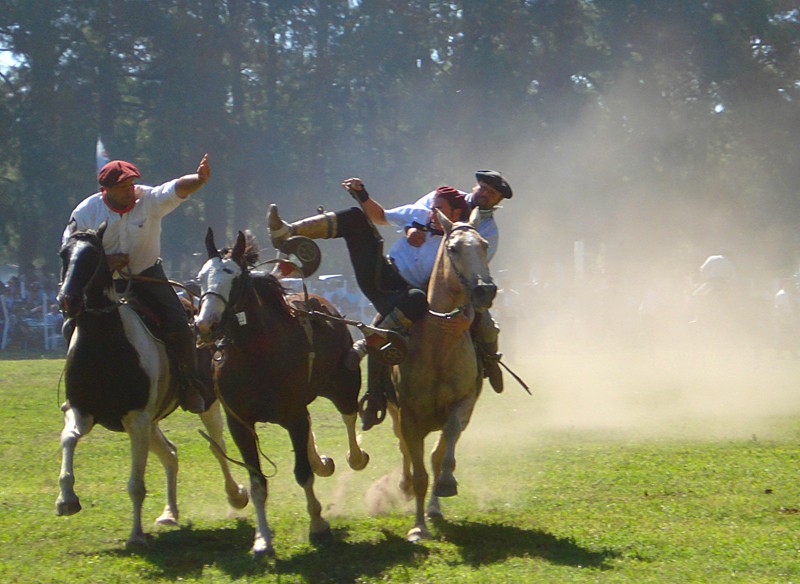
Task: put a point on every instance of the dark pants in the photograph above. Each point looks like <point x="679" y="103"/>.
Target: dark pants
<point x="160" y="297"/>
<point x="378" y="278"/>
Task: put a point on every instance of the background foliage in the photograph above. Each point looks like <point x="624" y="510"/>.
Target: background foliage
<point x="615" y="121"/>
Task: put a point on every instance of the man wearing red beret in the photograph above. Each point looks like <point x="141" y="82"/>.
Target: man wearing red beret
<point x="132" y="242"/>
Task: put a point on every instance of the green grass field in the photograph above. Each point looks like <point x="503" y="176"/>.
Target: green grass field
<point x="638" y="470"/>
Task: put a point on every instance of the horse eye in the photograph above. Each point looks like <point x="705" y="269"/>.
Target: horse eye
<point x="227" y="270"/>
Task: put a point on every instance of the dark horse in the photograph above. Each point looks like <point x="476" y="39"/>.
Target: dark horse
<point x="117" y="375"/>
<point x="276" y="359"/>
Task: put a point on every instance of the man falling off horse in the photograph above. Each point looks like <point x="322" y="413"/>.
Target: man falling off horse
<point x="389" y="283"/>
<point x="132" y="243"/>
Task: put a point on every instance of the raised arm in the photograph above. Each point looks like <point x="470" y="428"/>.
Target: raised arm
<point x="372" y="209"/>
<point x="189" y="183"/>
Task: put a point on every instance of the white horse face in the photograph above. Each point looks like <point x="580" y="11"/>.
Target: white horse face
<point x="216" y="282"/>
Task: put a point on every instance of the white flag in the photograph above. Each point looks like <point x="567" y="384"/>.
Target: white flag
<point x="101" y="155"/>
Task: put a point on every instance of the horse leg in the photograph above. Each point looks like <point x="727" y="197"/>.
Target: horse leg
<point x="245" y="439"/>
<point x="167" y="453"/>
<point x="445" y="483"/>
<point x="356" y="457"/>
<point x="300" y="435"/>
<point x="414" y="440"/>
<point x="434" y="508"/>
<point x="405" y="485"/>
<point x="137" y="424"/>
<point x="212" y="420"/>
<point x="321" y="465"/>
<point x="75" y="426"/>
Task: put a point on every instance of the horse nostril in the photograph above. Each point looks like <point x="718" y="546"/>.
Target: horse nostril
<point x="484" y="294"/>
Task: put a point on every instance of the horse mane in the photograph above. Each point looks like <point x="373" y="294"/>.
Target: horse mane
<point x="271" y="291"/>
<point x="268" y="287"/>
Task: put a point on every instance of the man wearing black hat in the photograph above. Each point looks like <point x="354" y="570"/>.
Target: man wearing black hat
<point x="399" y="303"/>
<point x="489" y="191"/>
<point x="132" y="243"/>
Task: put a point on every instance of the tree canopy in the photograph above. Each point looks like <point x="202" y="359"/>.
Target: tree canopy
<point x="634" y="125"/>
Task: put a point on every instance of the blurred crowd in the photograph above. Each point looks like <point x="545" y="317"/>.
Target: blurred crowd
<point x="30" y="320"/>
<point x="540" y="313"/>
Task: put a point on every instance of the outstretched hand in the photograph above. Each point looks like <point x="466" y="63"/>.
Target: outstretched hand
<point x="204" y="170"/>
<point x="353" y="184"/>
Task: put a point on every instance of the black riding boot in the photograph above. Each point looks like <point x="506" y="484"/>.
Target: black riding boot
<point x="372" y="407"/>
<point x="491" y="364"/>
<point x="183" y="366"/>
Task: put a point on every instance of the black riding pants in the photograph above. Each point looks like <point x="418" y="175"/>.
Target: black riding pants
<point x="161" y="298"/>
<point x="378" y="278"/>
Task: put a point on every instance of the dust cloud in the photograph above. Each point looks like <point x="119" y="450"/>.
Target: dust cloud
<point x="603" y="309"/>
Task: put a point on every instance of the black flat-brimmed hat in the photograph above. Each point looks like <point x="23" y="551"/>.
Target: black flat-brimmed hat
<point x="495" y="180"/>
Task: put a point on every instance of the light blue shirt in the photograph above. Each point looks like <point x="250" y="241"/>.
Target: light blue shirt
<point x="415" y="263"/>
<point x="488" y="227"/>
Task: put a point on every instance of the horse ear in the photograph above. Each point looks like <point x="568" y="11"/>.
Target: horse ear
<point x="446" y="224"/>
<point x="238" y="250"/>
<point x="102" y="229"/>
<point x="475" y="217"/>
<point x="211" y="247"/>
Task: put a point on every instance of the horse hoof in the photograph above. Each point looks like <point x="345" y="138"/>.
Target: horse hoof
<point x="67" y="508"/>
<point x="434" y="513"/>
<point x="136" y="542"/>
<point x="327" y="468"/>
<point x="418" y="534"/>
<point x="263" y="551"/>
<point x="364" y="461"/>
<point x="445" y="489"/>
<point x="240" y="499"/>
<point x="167" y="518"/>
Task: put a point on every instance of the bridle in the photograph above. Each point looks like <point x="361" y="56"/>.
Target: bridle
<point x="230" y="308"/>
<point x="462" y="279"/>
<point x="96" y="244"/>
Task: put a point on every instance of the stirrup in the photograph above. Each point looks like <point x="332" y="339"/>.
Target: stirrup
<point x="371" y="410"/>
<point x="389" y="345"/>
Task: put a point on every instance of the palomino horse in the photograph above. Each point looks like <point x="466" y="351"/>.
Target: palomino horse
<point x="117" y="375"/>
<point x="438" y="384"/>
<point x="275" y="361"/>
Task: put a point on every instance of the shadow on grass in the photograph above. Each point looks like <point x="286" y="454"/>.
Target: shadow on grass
<point x="488" y="543"/>
<point x="187" y="552"/>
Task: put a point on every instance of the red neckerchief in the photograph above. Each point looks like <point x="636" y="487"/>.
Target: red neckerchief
<point x="127" y="209"/>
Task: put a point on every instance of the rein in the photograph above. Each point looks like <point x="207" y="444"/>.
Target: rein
<point x="461" y="278"/>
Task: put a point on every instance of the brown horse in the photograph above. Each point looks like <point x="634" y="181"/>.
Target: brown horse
<point x="117" y="375"/>
<point x="275" y="360"/>
<point x="438" y="384"/>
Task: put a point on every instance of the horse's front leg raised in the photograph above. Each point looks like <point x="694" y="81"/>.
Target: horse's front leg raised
<point x="321" y="465"/>
<point x="356" y="457"/>
<point x="75" y="426"/>
<point x="301" y="436"/>
<point x="212" y="420"/>
<point x="167" y="453"/>
<point x="444" y="459"/>
<point x="245" y="438"/>
<point x="138" y="425"/>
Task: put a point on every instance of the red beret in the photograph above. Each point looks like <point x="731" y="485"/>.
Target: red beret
<point x="456" y="198"/>
<point x="116" y="172"/>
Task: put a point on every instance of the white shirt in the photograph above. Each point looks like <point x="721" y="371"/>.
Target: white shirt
<point x="137" y="232"/>
<point x="415" y="263"/>
<point x="488" y="227"/>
